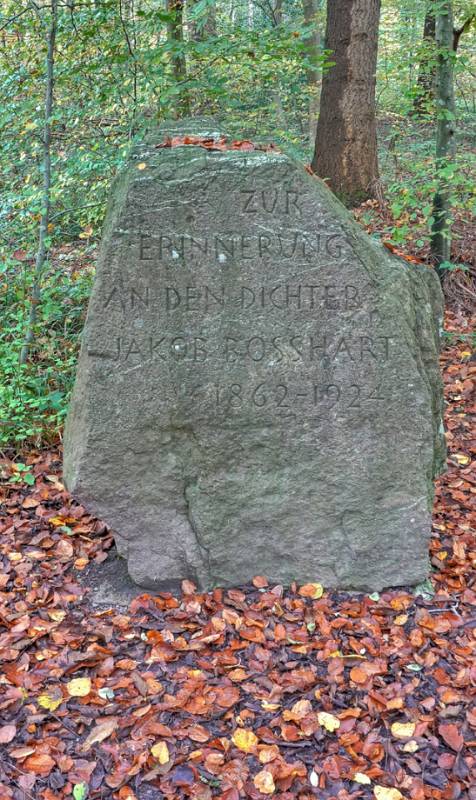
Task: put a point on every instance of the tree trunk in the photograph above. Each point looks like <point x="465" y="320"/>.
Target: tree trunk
<point x="175" y="34"/>
<point x="346" y="139"/>
<point x="276" y="19"/>
<point x="445" y="139"/>
<point x="46" y="195"/>
<point x="427" y="69"/>
<point x="277" y="12"/>
<point x="250" y="15"/>
<point x="127" y="18"/>
<point x="312" y="43"/>
<point x="427" y="72"/>
<point x="458" y="32"/>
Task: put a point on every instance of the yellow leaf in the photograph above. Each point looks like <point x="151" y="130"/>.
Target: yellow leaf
<point x="51" y="701"/>
<point x="403" y="730"/>
<point x="312" y="590"/>
<point x="142" y="165"/>
<point x="401" y="619"/>
<point x="461" y="458"/>
<point x="328" y="721"/>
<point x="57" y="521"/>
<point x="361" y="777"/>
<point x="264" y="782"/>
<point x="395" y="703"/>
<point x="160" y="751"/>
<point x="385" y="793"/>
<point x="57" y="615"/>
<point x="269" y="706"/>
<point x="411" y="747"/>
<point x="86" y="233"/>
<point x="79" y="687"/>
<point x="244" y="740"/>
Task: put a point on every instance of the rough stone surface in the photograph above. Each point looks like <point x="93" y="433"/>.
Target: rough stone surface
<point x="258" y="387"/>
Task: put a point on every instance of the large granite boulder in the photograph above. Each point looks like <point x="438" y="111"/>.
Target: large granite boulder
<point x="258" y="387"/>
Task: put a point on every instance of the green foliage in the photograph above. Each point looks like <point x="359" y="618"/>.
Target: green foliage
<point x="22" y="474"/>
<point x="407" y="166"/>
<point x="33" y="396"/>
<point x="246" y="62"/>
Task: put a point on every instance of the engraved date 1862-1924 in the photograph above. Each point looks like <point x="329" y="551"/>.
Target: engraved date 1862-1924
<point x="233" y="397"/>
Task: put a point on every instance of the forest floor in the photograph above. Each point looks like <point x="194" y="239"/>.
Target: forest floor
<point x="248" y="692"/>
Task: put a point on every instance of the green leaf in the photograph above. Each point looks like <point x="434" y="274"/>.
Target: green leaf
<point x="425" y="590"/>
<point x="105" y="693"/>
<point x="414" y="667"/>
<point x="311" y="626"/>
<point x="80" y="791"/>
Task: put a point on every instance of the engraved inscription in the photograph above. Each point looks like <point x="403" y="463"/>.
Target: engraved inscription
<point x="270" y="201"/>
<point x="281" y="395"/>
<point x="176" y="248"/>
<point x="271" y="351"/>
<point x="303" y="369"/>
<point x="307" y="349"/>
<point x="283" y="398"/>
<point x="212" y="299"/>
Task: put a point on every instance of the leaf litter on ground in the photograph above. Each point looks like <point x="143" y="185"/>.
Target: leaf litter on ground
<point x="256" y="691"/>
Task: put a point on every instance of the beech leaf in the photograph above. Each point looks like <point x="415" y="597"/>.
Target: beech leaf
<point x="362" y="778"/>
<point x="100" y="732"/>
<point x="450" y="734"/>
<point x="244" y="739"/>
<point x="403" y="730"/>
<point x="328" y="721"/>
<point x="7" y="733"/>
<point x="51" y="700"/>
<point x="160" y="751"/>
<point x="39" y="763"/>
<point x="79" y="687"/>
<point x="387" y="793"/>
<point x="264" y="782"/>
<point x="312" y="590"/>
<point x="80" y="791"/>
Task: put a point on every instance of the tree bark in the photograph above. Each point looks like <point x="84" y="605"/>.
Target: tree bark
<point x="458" y="32"/>
<point x="128" y="20"/>
<point x="312" y="43"/>
<point x="42" y="251"/>
<point x="427" y="68"/>
<point x="277" y="19"/>
<point x="445" y="139"/>
<point x="179" y="66"/>
<point x="346" y="139"/>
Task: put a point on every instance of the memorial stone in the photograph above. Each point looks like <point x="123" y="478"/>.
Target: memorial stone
<point x="258" y="387"/>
